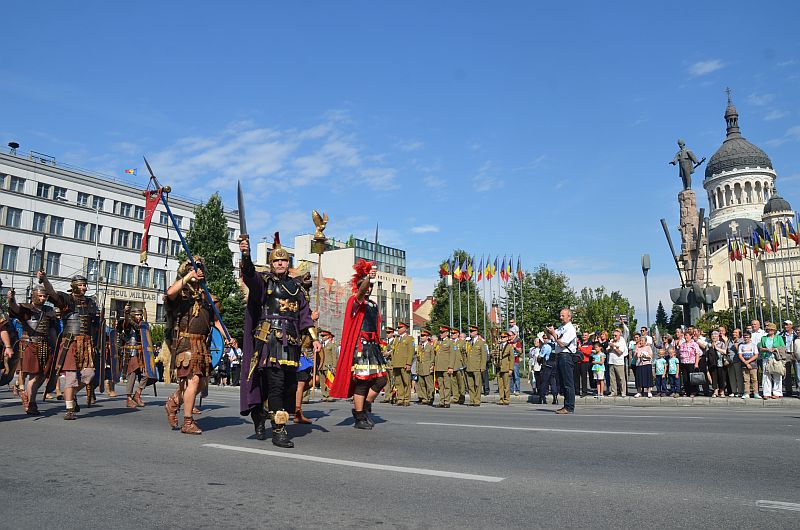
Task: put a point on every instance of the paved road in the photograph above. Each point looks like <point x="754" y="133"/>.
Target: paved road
<point x="604" y="467"/>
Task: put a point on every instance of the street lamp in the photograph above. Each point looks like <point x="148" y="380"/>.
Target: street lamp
<point x="645" y="269"/>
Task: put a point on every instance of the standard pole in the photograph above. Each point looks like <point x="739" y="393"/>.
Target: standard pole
<point x="732" y="287"/>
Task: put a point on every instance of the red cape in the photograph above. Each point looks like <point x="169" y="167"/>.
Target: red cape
<point x="353" y="318"/>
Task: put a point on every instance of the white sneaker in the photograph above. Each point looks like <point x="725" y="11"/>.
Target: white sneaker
<point x="649" y="394"/>
<point x="745" y="396"/>
<point x="637" y="395"/>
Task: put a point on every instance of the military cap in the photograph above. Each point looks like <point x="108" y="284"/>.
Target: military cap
<point x="425" y="333"/>
<point x="402" y="325"/>
<point x="504" y="334"/>
<point x="444" y="329"/>
<point x="473" y="328"/>
<point x="454" y="330"/>
<point x="389" y="329"/>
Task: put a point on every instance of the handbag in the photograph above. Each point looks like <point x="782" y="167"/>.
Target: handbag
<point x="697" y="378"/>
<point x="775" y="367"/>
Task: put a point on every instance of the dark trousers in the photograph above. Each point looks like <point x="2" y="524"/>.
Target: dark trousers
<point x="718" y="377"/>
<point x="686" y="369"/>
<point x="547" y="381"/>
<point x="235" y="370"/>
<point x="661" y="384"/>
<point x="485" y="380"/>
<point x="581" y="375"/>
<point x="281" y="388"/>
<point x="566" y="368"/>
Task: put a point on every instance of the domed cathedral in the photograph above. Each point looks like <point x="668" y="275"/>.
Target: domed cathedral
<point x="743" y="201"/>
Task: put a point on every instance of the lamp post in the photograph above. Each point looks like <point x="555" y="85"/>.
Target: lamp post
<point x="645" y="269"/>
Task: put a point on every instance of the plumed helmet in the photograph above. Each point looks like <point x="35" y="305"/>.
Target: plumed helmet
<point x="362" y="268"/>
<point x="278" y="252"/>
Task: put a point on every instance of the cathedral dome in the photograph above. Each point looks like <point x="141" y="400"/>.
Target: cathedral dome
<point x="777" y="204"/>
<point x="735" y="152"/>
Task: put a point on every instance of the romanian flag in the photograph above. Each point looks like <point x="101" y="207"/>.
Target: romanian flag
<point x="487" y="272"/>
<point x="457" y="271"/>
<point x="480" y="270"/>
<point x="520" y="274"/>
<point x="754" y="242"/>
<point x="508" y="268"/>
<point x="768" y="240"/>
<point x="738" y="249"/>
<point x="130" y="171"/>
<point x="776" y="240"/>
<point x="503" y="270"/>
<point x="469" y="268"/>
<point x="492" y="270"/>
<point x="793" y="235"/>
<point x="328" y="379"/>
<point x="444" y="269"/>
<point x="743" y="246"/>
<point x="731" y="252"/>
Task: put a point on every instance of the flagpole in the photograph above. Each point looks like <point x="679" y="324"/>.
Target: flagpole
<point x="468" y="310"/>
<point x="731" y="282"/>
<point x="450" y="289"/>
<point x="744" y="279"/>
<point x="783" y="269"/>
<point x="759" y="298"/>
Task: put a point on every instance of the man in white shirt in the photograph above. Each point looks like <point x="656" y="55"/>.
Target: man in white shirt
<point x="757" y="334"/>
<point x="647" y="336"/>
<point x="566" y="344"/>
<point x="235" y="356"/>
<point x="617" y="351"/>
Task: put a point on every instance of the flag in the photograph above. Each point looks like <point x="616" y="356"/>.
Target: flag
<point x="457" y="271"/>
<point x="793" y="235"/>
<point x="520" y="274"/>
<point x="731" y="252"/>
<point x="762" y="243"/>
<point x="444" y="269"/>
<point x="151" y="200"/>
<point x="130" y="171"/>
<point x="328" y="379"/>
<point x="469" y="268"/>
<point x="754" y="242"/>
<point x="503" y="270"/>
<point x="493" y="269"/>
<point x="767" y="240"/>
<point x="776" y="240"/>
<point x="508" y="268"/>
<point x="738" y="248"/>
<point x="480" y="270"/>
<point x="743" y="246"/>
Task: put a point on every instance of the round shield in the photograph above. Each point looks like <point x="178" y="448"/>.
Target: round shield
<point x="216" y="347"/>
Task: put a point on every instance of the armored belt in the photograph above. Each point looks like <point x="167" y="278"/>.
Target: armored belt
<point x="266" y="327"/>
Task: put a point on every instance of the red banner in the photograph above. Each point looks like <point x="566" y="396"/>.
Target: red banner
<point x="151" y="198"/>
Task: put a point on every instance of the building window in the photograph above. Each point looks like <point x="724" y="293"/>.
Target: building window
<point x="143" y="278"/>
<point x="123" y="238"/>
<point x="39" y="222"/>
<point x="125" y="209"/>
<point x="111" y="270"/>
<point x="231" y="233"/>
<point x="91" y="269"/>
<point x="13" y="217"/>
<point x="127" y="274"/>
<point x="163" y="218"/>
<point x="730" y="294"/>
<point x="402" y="288"/>
<point x="81" y="229"/>
<point x="160" y="314"/>
<point x="136" y="241"/>
<point x="178" y="220"/>
<point x="97" y="203"/>
<point x="59" y="194"/>
<point x="17" y="184"/>
<point x="56" y="225"/>
<point x="9" y="258"/>
<point x="138" y="213"/>
<point x="162" y="245"/>
<point x="159" y="280"/>
<point x="174" y="248"/>
<point x="83" y="199"/>
<point x="43" y="190"/>
<point x="53" y="263"/>
<point x="94" y="232"/>
<point x="35" y="261"/>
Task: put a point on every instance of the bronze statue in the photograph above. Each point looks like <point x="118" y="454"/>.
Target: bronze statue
<point x="687" y="163"/>
<point x="320" y="221"/>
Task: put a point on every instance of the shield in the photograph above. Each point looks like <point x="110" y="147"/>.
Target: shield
<point x="112" y="347"/>
<point x="149" y="367"/>
<point x="216" y="347"/>
<point x="9" y="366"/>
<point x="59" y="357"/>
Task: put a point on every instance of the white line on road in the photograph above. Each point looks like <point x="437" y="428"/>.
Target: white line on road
<point x="777" y="505"/>
<point x="661" y="417"/>
<point x="365" y="465"/>
<point x="536" y="429"/>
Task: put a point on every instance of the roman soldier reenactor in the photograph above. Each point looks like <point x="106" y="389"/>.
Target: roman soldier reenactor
<point x="75" y="355"/>
<point x="277" y="320"/>
<point x="39" y="334"/>
<point x="131" y="336"/>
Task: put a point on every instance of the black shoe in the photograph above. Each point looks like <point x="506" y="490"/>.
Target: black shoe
<point x="368" y="410"/>
<point x="555" y="401"/>
<point x="259" y="422"/>
<point x="362" y="420"/>
<point x="280" y="437"/>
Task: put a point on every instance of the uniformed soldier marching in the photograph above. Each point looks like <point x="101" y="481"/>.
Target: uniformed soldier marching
<point x="425" y="369"/>
<point x="505" y="368"/>
<point x="443" y="362"/>
<point x="459" y="378"/>
<point x="476" y="364"/>
<point x="402" y="358"/>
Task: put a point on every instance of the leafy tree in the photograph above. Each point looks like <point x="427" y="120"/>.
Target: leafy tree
<point x="157" y="333"/>
<point x="440" y="314"/>
<point x="715" y="319"/>
<point x="542" y="293"/>
<point x="208" y="238"/>
<point x="597" y="310"/>
<point x="676" y="318"/>
<point x="661" y="316"/>
<point x="232" y="310"/>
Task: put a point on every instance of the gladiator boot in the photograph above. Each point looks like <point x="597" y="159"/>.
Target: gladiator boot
<point x="280" y="437"/>
<point x="172" y="406"/>
<point x="24" y="397"/>
<point x="110" y="390"/>
<point x="362" y="421"/>
<point x="137" y="398"/>
<point x="299" y="418"/>
<point x="32" y="409"/>
<point x="90" y="397"/>
<point x="190" y="427"/>
<point x="368" y="413"/>
<point x="259" y="422"/>
<point x="131" y="404"/>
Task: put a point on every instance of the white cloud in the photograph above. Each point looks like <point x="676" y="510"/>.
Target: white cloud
<point x="705" y="67"/>
<point x="760" y="100"/>
<point x="380" y="178"/>
<point x="792" y="134"/>
<point x="410" y="146"/>
<point x="486" y="180"/>
<point x="425" y="229"/>
<point x="775" y="114"/>
<point x="434" y="182"/>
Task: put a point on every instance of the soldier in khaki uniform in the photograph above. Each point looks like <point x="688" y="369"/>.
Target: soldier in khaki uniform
<point x="476" y="364"/>
<point x="459" y="379"/>
<point x="443" y="361"/>
<point x="387" y="355"/>
<point x="327" y="363"/>
<point x="425" y="369"/>
<point x="402" y="357"/>
<point x="506" y="367"/>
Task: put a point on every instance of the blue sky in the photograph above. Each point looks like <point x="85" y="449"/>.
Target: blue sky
<point x="527" y="128"/>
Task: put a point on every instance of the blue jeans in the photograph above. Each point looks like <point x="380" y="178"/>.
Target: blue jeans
<point x="796" y="375"/>
<point x="674" y="384"/>
<point x="661" y="384"/>
<point x="515" y="379"/>
<point x="566" y="370"/>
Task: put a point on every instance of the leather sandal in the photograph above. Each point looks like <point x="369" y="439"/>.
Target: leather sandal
<point x="171" y="406"/>
<point x="190" y="427"/>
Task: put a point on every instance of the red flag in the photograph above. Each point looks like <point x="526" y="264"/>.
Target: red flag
<point x="151" y="200"/>
<point x="520" y="274"/>
<point x="480" y="270"/>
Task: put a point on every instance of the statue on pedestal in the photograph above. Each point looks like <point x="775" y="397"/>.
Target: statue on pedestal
<point x="687" y="163"/>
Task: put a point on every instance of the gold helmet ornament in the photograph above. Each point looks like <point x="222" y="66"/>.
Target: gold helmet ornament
<point x="278" y="252"/>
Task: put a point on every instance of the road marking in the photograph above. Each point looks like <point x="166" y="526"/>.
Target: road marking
<point x="535" y="429"/>
<point x="365" y="465"/>
<point x="661" y="417"/>
<point x="777" y="505"/>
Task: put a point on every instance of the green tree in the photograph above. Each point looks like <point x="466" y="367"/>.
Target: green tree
<point x="661" y="316"/>
<point x="232" y="310"/>
<point x="157" y="333"/>
<point x="538" y="297"/>
<point x="440" y="314"/>
<point x="714" y="319"/>
<point x="676" y="318"/>
<point x="597" y="310"/>
<point x="208" y="237"/>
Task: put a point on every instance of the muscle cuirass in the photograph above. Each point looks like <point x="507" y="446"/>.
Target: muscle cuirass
<point x="79" y="320"/>
<point x="370" y="322"/>
<point x="132" y="337"/>
<point x="38" y="326"/>
<point x="282" y="305"/>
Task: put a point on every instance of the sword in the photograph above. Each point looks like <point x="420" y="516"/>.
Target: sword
<point x="242" y="217"/>
<point x="375" y="253"/>
<point x="697" y="165"/>
<point x="41" y="265"/>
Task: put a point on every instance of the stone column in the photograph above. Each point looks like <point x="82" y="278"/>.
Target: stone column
<point x="689" y="228"/>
